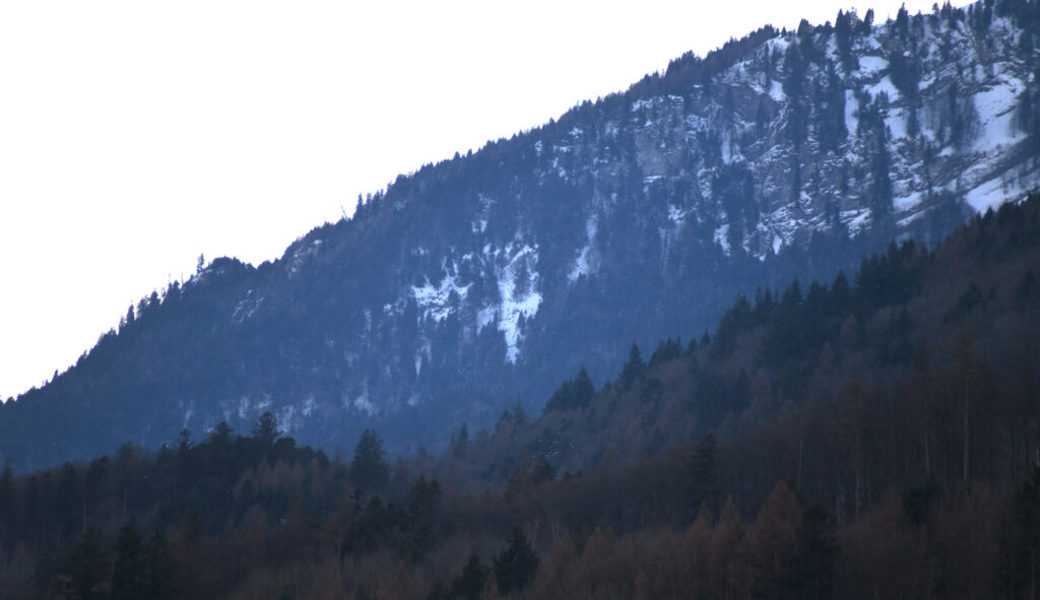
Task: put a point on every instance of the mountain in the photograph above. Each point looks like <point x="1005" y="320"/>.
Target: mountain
<point x="483" y="281"/>
<point x="878" y="434"/>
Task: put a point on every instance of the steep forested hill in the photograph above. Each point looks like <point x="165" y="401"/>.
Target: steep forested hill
<point x="873" y="437"/>
<point x="489" y="278"/>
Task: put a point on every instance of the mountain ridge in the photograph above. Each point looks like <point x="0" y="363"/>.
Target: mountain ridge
<point x="480" y="281"/>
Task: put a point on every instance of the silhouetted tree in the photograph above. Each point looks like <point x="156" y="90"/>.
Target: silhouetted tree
<point x="573" y="393"/>
<point x="633" y="369"/>
<point x="266" y="431"/>
<point x="421" y="505"/>
<point x="83" y="574"/>
<point x="517" y="564"/>
<point x="470" y="583"/>
<point x="369" y="469"/>
<point x="129" y="571"/>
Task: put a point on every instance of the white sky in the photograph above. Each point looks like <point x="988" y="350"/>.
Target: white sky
<point x="137" y="134"/>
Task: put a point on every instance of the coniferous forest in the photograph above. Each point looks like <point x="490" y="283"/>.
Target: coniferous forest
<point x="875" y="436"/>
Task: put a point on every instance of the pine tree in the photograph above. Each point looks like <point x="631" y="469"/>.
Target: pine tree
<point x="573" y="393"/>
<point x="843" y="38"/>
<point x="84" y="572"/>
<point x="369" y="469"/>
<point x="470" y="583"/>
<point x="422" y="503"/>
<point x="160" y="569"/>
<point x="129" y="573"/>
<point x="583" y="388"/>
<point x="702" y="483"/>
<point x="633" y="369"/>
<point x="517" y="564"/>
<point x="266" y="431"/>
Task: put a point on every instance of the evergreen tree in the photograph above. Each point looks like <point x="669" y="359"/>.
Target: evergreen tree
<point x="129" y="572"/>
<point x="160" y="569"/>
<point x="421" y="504"/>
<point x="666" y="350"/>
<point x="816" y="567"/>
<point x="583" y="388"/>
<point x="702" y="482"/>
<point x="460" y="442"/>
<point x="266" y="431"/>
<point x="903" y="22"/>
<point x="369" y="469"/>
<point x="634" y="368"/>
<point x="83" y="574"/>
<point x="67" y="500"/>
<point x="573" y="393"/>
<point x="470" y="583"/>
<point x="517" y="564"/>
<point x="843" y="38"/>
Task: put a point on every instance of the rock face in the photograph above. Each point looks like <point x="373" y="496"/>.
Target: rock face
<point x="485" y="280"/>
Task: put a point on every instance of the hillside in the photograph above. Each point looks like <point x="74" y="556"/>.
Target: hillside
<point x="486" y="279"/>
<point x="888" y="449"/>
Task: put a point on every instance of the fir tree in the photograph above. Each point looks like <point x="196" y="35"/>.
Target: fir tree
<point x="517" y="564"/>
<point x="369" y="469"/>
<point x="634" y="368"/>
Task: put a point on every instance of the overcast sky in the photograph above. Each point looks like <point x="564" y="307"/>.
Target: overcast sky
<point x="136" y="135"/>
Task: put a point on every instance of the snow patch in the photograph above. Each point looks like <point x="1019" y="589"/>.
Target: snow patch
<point x="435" y="302"/>
<point x="996" y="110"/>
<point x="855" y="220"/>
<point x="896" y="123"/>
<point x="907" y="202"/>
<point x="286" y="417"/>
<point x="582" y="264"/>
<point x="991" y="194"/>
<point x="363" y="404"/>
<point x="425" y="351"/>
<point x="778" y="44"/>
<point x="246" y="308"/>
<point x="722" y="237"/>
<point x="869" y="65"/>
<point x="641" y="103"/>
<point x="676" y="215"/>
<point x="886" y="86"/>
<point x="485" y="317"/>
<point x="851" y="112"/>
<point x="519" y="298"/>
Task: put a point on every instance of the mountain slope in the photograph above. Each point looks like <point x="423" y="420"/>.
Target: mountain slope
<point x="907" y="438"/>
<point x="906" y="348"/>
<point x="488" y="278"/>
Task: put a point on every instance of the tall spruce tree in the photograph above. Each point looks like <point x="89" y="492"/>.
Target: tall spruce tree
<point x="634" y="368"/>
<point x="369" y="469"/>
<point x="516" y="565"/>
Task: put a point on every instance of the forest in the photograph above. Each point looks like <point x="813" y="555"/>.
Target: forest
<point x="874" y="437"/>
